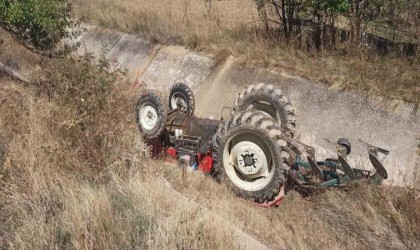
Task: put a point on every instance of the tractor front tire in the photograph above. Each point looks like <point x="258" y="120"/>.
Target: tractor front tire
<point x="270" y="100"/>
<point x="250" y="156"/>
<point x="150" y="115"/>
<point x="180" y="92"/>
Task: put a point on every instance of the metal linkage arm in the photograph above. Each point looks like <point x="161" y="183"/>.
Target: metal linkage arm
<point x="375" y="150"/>
<point x="373" y="157"/>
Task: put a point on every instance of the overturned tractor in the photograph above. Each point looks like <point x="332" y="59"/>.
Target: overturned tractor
<point x="254" y="151"/>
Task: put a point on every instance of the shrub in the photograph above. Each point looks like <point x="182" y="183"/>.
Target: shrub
<point x="91" y="105"/>
<point x="37" y="24"/>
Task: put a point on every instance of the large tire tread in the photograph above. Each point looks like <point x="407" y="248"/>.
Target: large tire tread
<point x="267" y="92"/>
<point x="187" y="92"/>
<point x="153" y="99"/>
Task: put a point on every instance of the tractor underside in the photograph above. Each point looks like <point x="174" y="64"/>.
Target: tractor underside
<point x="254" y="152"/>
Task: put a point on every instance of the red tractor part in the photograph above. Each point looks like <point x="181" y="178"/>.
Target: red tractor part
<point x="278" y="200"/>
<point x="171" y="156"/>
<point x="206" y="164"/>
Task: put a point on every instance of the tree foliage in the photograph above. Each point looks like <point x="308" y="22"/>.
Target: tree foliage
<point x="37" y="24"/>
<point x="317" y="21"/>
<point x="330" y="7"/>
<point x="293" y="15"/>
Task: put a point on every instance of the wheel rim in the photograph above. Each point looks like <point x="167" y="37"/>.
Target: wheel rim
<point x="148" y="117"/>
<point x="179" y="98"/>
<point x="248" y="161"/>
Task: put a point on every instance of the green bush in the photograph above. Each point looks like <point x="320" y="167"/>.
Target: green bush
<point x="38" y="24"/>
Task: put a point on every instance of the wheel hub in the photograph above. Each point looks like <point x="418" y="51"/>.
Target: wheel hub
<point x="250" y="158"/>
<point x="148" y="117"/>
<point x="178" y="100"/>
<point x="248" y="161"/>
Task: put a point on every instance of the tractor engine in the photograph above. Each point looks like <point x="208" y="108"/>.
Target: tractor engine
<point x="181" y="124"/>
<point x="191" y="140"/>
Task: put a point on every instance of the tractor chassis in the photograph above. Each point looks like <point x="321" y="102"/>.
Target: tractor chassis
<point x="248" y="149"/>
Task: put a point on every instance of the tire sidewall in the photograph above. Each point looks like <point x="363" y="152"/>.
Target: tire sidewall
<point x="151" y="99"/>
<point x="277" y="180"/>
<point x="187" y="93"/>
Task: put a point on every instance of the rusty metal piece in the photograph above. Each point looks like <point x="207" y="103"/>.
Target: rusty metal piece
<point x="300" y="148"/>
<point x="276" y="202"/>
<point x="205" y="128"/>
<point x="375" y="150"/>
<point x="197" y="133"/>
<point x="373" y="157"/>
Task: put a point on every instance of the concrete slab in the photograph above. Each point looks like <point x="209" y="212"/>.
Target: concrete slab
<point x="174" y="64"/>
<point x="132" y="53"/>
<point x="156" y="66"/>
<point x="97" y="41"/>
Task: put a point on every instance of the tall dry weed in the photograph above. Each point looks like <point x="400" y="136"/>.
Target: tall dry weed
<point x="93" y="106"/>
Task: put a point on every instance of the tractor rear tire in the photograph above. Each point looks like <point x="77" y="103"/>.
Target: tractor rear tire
<point x="180" y="92"/>
<point x="250" y="156"/>
<point x="150" y="115"/>
<point x="266" y="98"/>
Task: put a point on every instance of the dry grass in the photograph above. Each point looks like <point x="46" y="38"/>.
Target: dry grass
<point x="76" y="177"/>
<point x="168" y="21"/>
<point x="230" y="27"/>
<point x="50" y="198"/>
<point x="53" y="194"/>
